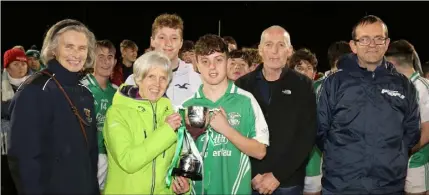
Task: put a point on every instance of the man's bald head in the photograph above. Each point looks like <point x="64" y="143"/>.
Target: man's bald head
<point x="276" y="30"/>
<point x="275" y="47"/>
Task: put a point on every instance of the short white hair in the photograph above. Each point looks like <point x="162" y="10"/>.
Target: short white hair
<point x="151" y="60"/>
<point x="277" y="27"/>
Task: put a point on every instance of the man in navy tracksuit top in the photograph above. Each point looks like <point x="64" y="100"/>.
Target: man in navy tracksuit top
<point x="369" y="118"/>
<point x="52" y="151"/>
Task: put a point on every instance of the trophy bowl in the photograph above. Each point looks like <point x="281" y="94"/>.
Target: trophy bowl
<point x="197" y="116"/>
<point x="189" y="167"/>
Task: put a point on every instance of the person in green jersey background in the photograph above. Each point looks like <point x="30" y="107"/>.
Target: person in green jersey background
<point x="305" y="62"/>
<point x="236" y="132"/>
<point x="102" y="90"/>
<point x="402" y="55"/>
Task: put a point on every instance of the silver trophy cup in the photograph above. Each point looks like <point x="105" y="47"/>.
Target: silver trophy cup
<point x="197" y="116"/>
<point x="189" y="167"/>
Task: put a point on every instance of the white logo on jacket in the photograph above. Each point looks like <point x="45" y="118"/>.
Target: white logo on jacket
<point x="287" y="92"/>
<point x="392" y="93"/>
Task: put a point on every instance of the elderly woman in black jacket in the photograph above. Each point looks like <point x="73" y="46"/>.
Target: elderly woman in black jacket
<point x="53" y="132"/>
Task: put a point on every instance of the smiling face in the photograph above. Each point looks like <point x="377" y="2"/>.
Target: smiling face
<point x="168" y="41"/>
<point x="212" y="68"/>
<point x="72" y="50"/>
<point x="129" y="54"/>
<point x="188" y="57"/>
<point x="371" y="43"/>
<point x="105" y="62"/>
<point x="152" y="87"/>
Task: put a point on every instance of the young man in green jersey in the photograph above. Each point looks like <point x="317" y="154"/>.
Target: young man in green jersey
<point x="402" y="55"/>
<point x="98" y="83"/>
<point x="236" y="132"/>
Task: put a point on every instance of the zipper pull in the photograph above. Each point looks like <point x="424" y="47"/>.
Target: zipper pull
<point x="145" y="136"/>
<point x="373" y="74"/>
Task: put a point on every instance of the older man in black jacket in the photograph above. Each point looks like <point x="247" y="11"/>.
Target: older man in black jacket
<point x="53" y="132"/>
<point x="288" y="101"/>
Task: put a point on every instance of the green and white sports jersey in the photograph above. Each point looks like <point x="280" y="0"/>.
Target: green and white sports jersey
<point x="102" y="101"/>
<point x="226" y="169"/>
<point x="314" y="166"/>
<point x="421" y="157"/>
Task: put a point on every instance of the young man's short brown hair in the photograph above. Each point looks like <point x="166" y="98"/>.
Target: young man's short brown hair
<point x="106" y="44"/>
<point x="303" y="55"/>
<point x="242" y="55"/>
<point x="229" y="40"/>
<point x="167" y="20"/>
<point x="128" y="44"/>
<point x="208" y="44"/>
<point x="336" y="50"/>
<point x="403" y="51"/>
<point x="187" y="46"/>
<point x="254" y="55"/>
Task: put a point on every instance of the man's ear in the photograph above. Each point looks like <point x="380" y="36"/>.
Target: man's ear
<point x="151" y="42"/>
<point x="353" y="46"/>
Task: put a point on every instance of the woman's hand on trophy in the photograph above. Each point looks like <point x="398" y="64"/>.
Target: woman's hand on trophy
<point x="174" y="120"/>
<point x="218" y="121"/>
<point x="180" y="185"/>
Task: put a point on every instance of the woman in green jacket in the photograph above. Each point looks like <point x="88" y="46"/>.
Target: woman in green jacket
<point x="140" y="132"/>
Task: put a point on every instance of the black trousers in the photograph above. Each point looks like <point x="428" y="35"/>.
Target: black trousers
<point x="7" y="184"/>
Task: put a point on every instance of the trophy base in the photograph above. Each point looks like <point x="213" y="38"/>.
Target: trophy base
<point x="192" y="176"/>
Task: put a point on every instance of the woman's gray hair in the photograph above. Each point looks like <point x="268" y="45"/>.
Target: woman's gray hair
<point x="150" y="60"/>
<point x="50" y="43"/>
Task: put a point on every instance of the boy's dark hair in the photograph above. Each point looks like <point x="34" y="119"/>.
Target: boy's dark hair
<point x="106" y="44"/>
<point x="402" y="51"/>
<point x="336" y="50"/>
<point x="229" y="40"/>
<point x="187" y="46"/>
<point x="209" y="44"/>
<point x="254" y="55"/>
<point x="303" y="55"/>
<point x="242" y="55"/>
<point x="370" y="19"/>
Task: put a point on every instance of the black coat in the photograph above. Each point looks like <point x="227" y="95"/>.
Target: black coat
<point x="48" y="152"/>
<point x="292" y="123"/>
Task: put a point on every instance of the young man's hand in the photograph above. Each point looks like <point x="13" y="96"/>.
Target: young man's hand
<point x="219" y="121"/>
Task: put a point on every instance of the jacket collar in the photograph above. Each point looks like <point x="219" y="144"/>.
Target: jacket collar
<point x="260" y="75"/>
<point x="64" y="76"/>
<point x="349" y="63"/>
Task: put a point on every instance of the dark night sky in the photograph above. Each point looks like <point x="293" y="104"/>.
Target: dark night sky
<point x="313" y="25"/>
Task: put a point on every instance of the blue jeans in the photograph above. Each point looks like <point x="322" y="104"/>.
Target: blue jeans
<point x="294" y="190"/>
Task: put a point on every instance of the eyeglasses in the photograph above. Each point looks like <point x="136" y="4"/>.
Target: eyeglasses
<point x="364" y="41"/>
